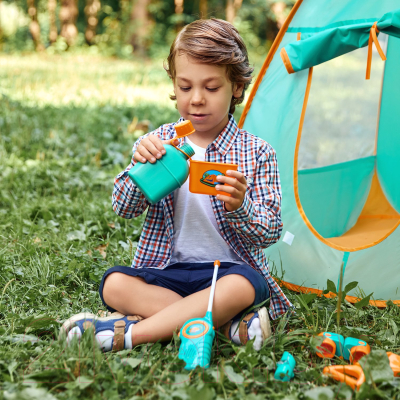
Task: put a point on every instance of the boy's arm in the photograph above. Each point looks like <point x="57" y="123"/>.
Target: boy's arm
<point x="127" y="200"/>
<point x="258" y="219"/>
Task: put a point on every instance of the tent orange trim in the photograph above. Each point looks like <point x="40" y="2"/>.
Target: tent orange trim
<point x="351" y="299"/>
<point x="286" y="61"/>
<point x="267" y="62"/>
<point x="378" y="219"/>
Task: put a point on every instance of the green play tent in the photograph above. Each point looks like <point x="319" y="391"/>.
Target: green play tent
<point x="337" y="139"/>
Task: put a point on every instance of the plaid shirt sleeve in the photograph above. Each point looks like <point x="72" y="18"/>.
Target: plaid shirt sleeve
<point x="258" y="219"/>
<point x="127" y="200"/>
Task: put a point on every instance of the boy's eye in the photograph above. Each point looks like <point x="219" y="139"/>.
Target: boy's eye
<point x="212" y="89"/>
<point x="184" y="88"/>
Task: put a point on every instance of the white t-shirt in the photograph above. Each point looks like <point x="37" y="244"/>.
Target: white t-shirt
<point x="197" y="237"/>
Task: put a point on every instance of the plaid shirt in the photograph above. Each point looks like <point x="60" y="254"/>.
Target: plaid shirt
<point x="255" y="225"/>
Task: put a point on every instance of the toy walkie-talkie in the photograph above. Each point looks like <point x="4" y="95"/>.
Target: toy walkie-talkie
<point x="197" y="334"/>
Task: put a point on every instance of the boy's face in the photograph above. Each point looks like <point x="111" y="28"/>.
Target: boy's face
<point x="203" y="95"/>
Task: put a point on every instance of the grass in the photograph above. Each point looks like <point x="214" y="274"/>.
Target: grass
<point x="66" y="131"/>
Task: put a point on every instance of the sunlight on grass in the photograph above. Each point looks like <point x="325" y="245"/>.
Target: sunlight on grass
<point x="63" y="138"/>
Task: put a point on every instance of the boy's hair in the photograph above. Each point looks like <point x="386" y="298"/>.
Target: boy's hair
<point x="213" y="41"/>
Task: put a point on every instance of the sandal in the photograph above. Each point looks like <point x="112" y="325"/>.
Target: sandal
<point x="245" y="333"/>
<point x="116" y="322"/>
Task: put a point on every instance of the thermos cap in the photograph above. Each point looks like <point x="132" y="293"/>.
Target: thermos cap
<point x="184" y="128"/>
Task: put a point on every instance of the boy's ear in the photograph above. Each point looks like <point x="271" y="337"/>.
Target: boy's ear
<point x="238" y="89"/>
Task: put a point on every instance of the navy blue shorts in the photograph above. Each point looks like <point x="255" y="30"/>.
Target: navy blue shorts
<point x="189" y="278"/>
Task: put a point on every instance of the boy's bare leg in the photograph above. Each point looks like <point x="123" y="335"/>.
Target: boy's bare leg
<point x="131" y="295"/>
<point x="233" y="294"/>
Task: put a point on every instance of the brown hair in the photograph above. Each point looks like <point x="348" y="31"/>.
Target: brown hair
<point x="213" y="41"/>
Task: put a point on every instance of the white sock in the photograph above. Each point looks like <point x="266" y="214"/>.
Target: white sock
<point x="75" y="332"/>
<point x="104" y="339"/>
<point x="235" y="333"/>
<point x="254" y="330"/>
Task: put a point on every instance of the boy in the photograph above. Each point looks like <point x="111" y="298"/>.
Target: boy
<point x="184" y="233"/>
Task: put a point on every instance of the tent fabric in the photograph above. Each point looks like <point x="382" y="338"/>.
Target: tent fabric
<point x="275" y="112"/>
<point x="335" y="41"/>
<point x="333" y="197"/>
<point x="388" y="144"/>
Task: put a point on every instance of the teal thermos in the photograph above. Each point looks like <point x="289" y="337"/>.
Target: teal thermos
<point x="168" y="173"/>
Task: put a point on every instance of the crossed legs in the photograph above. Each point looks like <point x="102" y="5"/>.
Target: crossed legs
<point x="165" y="311"/>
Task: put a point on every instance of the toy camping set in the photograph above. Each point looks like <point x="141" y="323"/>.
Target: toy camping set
<point x="170" y="172"/>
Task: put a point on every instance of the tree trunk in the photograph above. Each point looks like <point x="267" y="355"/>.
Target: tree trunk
<point x="91" y="10"/>
<point x="178" y="7"/>
<point x="34" y="27"/>
<point x="52" y="4"/>
<point x="203" y="9"/>
<point x="140" y="24"/>
<point x="279" y="9"/>
<point x="232" y="7"/>
<point x="179" y="12"/>
<point x="68" y="16"/>
<point x="1" y="32"/>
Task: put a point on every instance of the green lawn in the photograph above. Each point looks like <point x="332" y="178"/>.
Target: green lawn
<point x="67" y="125"/>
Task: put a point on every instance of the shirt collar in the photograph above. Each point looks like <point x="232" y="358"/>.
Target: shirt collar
<point x="225" y="139"/>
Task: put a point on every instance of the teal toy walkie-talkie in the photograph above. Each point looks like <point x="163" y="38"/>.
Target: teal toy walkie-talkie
<point x="197" y="334"/>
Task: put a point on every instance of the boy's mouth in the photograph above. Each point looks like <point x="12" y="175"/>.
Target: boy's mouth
<point x="198" y="116"/>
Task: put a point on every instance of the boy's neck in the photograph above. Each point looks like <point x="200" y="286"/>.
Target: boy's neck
<point x="202" y="141"/>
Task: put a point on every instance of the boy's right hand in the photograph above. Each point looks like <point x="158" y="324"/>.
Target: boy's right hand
<point x="151" y="148"/>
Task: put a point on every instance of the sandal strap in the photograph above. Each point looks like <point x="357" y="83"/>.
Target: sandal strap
<point x="243" y="329"/>
<point x="134" y="318"/>
<point x="226" y="330"/>
<point x="119" y="335"/>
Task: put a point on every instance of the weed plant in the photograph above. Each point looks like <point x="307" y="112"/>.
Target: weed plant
<point x="67" y="127"/>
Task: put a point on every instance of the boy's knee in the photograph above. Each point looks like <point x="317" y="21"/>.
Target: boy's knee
<point x="112" y="285"/>
<point x="240" y="288"/>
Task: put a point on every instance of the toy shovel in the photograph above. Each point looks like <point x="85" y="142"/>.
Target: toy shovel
<point x="197" y="334"/>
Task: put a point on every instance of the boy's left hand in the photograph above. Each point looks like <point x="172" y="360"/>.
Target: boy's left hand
<point x="237" y="189"/>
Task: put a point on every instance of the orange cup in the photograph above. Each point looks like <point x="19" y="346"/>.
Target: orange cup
<point x="203" y="176"/>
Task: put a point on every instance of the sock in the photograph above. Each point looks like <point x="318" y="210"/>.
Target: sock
<point x="254" y="330"/>
<point x="104" y="339"/>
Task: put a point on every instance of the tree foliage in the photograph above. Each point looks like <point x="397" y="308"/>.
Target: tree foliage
<point x="124" y="28"/>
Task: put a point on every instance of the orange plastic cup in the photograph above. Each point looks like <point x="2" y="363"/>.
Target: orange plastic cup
<point x="184" y="128"/>
<point x="203" y="176"/>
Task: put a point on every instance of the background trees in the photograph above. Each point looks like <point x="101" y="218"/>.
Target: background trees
<point x="128" y="27"/>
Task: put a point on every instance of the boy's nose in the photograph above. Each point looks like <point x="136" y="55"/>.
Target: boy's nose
<point x="197" y="98"/>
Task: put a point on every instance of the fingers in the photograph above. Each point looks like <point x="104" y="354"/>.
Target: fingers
<point x="150" y="149"/>
<point x="238" y="182"/>
<point x="235" y="186"/>
<point x="238" y="175"/>
<point x="173" y="141"/>
<point x="231" y="203"/>
<point x="157" y="143"/>
<point x="228" y="189"/>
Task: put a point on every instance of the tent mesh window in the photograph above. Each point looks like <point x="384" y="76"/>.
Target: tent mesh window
<point x="339" y="184"/>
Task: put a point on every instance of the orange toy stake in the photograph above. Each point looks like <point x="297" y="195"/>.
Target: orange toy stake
<point x="394" y="361"/>
<point x="351" y="375"/>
